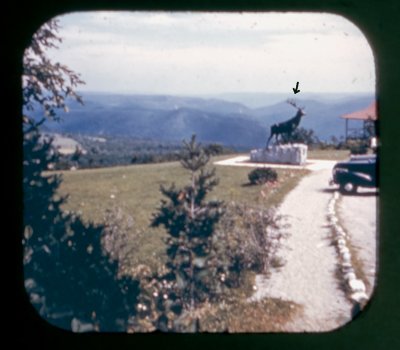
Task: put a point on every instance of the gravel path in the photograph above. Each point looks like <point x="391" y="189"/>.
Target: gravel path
<point x="308" y="277"/>
<point x="244" y="161"/>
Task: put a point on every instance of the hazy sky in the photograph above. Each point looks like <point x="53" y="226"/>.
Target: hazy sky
<point x="207" y="53"/>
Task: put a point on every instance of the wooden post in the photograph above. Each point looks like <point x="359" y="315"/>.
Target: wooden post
<point x="365" y="129"/>
<point x="347" y="126"/>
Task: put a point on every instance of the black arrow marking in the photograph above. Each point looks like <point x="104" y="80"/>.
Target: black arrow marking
<point x="296" y="89"/>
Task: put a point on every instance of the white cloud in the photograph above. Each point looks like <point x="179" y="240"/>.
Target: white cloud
<point x="216" y="52"/>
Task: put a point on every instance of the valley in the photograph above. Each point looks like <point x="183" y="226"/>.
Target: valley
<point x="213" y="120"/>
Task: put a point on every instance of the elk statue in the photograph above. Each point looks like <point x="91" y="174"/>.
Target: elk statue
<point x="287" y="127"/>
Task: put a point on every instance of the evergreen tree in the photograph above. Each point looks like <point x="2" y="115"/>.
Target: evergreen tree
<point x="69" y="278"/>
<point x="302" y="135"/>
<point x="190" y="224"/>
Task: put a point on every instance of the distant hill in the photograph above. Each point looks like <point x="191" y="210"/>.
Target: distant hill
<point x="173" y="118"/>
<point x="322" y="117"/>
<point x="262" y="99"/>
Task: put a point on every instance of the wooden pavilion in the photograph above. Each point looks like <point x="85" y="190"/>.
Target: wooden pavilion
<point x="368" y="116"/>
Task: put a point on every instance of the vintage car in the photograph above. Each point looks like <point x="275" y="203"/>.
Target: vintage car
<point x="358" y="171"/>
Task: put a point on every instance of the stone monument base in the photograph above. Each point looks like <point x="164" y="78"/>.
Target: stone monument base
<point x="281" y="154"/>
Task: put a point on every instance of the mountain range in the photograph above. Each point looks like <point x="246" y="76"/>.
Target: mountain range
<point x="222" y="119"/>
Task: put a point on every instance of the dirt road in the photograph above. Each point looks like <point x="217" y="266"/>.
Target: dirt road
<point x="308" y="277"/>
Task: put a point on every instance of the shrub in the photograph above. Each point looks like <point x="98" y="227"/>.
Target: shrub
<point x="119" y="238"/>
<point x="247" y="239"/>
<point x="213" y="149"/>
<point x="190" y="223"/>
<point x="70" y="279"/>
<point x="262" y="175"/>
<point x="301" y="135"/>
<point x="245" y="242"/>
<point x="160" y="305"/>
<point x="358" y="146"/>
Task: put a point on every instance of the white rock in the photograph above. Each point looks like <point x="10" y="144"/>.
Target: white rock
<point x="357" y="285"/>
<point x="347" y="271"/>
<point x="340" y="231"/>
<point x="346" y="257"/>
<point x="341" y="242"/>
<point x="349" y="276"/>
<point x="344" y="250"/>
<point x="288" y="154"/>
<point x="346" y="264"/>
<point x="336" y="195"/>
<point x="359" y="297"/>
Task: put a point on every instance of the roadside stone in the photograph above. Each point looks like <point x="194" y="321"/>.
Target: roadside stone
<point x="349" y="276"/>
<point x="356" y="285"/>
<point x="346" y="257"/>
<point x="359" y="297"/>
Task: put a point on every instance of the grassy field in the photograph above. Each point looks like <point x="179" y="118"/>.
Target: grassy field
<point x="135" y="189"/>
<point x="328" y="154"/>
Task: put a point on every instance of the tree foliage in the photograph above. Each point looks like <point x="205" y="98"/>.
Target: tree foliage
<point x="261" y="175"/>
<point x="70" y="279"/>
<point x="247" y="239"/>
<point x="302" y="135"/>
<point x="358" y="147"/>
<point x="190" y="223"/>
<point x="46" y="84"/>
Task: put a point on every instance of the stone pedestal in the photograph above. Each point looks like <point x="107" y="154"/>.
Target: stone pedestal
<point x="281" y="154"/>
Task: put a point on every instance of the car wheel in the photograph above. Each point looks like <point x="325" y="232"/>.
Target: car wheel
<point x="348" y="188"/>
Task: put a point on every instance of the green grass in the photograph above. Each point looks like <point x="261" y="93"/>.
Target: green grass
<point x="238" y="316"/>
<point x="328" y="154"/>
<point x="136" y="188"/>
<point x="136" y="191"/>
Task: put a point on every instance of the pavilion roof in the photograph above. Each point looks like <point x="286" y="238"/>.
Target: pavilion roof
<point x="369" y="113"/>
